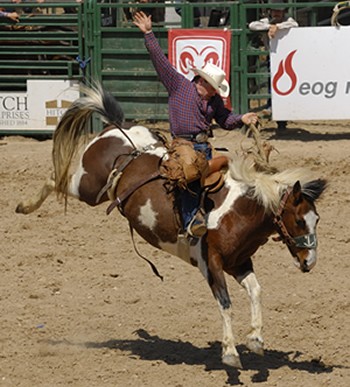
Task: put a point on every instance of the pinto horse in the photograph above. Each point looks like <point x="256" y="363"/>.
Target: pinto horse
<point x="241" y="216"/>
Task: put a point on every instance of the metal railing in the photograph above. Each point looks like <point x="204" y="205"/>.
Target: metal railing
<point x="254" y="75"/>
<point x="98" y="42"/>
<point x="45" y="43"/>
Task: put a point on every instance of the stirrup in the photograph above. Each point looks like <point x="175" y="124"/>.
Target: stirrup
<point x="197" y="227"/>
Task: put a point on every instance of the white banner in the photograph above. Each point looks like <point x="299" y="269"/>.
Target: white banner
<point x="310" y="74"/>
<point x="40" y="108"/>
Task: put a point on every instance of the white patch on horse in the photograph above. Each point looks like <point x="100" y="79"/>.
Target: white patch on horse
<point x="311" y="222"/>
<point x="140" y="136"/>
<point x="147" y="216"/>
<point x="75" y="180"/>
<point x="236" y="190"/>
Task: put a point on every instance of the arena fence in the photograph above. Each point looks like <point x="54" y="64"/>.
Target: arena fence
<point x="253" y="56"/>
<point x="45" y="44"/>
<point x="96" y="41"/>
<point x="121" y="62"/>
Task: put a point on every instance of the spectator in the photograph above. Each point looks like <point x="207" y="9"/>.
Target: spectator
<point x="192" y="107"/>
<point x="72" y="10"/>
<point x="10" y="15"/>
<point x="196" y="13"/>
<point x="276" y="19"/>
<point x="28" y="9"/>
<point x="157" y="13"/>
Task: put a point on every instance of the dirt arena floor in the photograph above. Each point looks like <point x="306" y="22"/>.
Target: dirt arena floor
<point x="78" y="307"/>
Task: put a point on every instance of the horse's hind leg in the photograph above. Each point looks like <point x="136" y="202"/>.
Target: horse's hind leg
<point x="255" y="341"/>
<point x="32" y="204"/>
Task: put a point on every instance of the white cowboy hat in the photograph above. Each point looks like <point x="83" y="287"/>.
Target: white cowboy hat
<point x="215" y="76"/>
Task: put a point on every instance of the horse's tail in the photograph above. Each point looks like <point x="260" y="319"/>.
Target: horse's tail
<point x="74" y="126"/>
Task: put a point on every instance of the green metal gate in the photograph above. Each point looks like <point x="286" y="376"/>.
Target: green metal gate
<point x="45" y="44"/>
<point x="97" y="42"/>
<point x="254" y="72"/>
<point x="121" y="62"/>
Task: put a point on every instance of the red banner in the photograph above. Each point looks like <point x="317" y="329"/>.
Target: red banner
<point x="188" y="48"/>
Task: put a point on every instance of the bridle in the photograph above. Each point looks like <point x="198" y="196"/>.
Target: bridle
<point x="307" y="241"/>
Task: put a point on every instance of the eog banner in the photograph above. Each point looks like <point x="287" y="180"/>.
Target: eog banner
<point x="310" y="74"/>
<point x="189" y="48"/>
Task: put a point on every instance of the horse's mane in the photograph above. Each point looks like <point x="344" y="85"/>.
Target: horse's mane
<point x="267" y="188"/>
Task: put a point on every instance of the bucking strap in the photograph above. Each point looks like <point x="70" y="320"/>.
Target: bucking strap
<point x="124" y="195"/>
<point x="116" y="172"/>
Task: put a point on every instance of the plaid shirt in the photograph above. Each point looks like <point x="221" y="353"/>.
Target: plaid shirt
<point x="188" y="112"/>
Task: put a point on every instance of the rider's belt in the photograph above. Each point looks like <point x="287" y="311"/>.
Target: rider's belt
<point x="199" y="137"/>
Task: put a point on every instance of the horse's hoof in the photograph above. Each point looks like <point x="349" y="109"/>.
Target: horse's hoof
<point x="256" y="345"/>
<point x="232" y="361"/>
<point x="21" y="209"/>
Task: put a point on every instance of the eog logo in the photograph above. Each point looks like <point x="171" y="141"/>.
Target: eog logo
<point x="285" y="69"/>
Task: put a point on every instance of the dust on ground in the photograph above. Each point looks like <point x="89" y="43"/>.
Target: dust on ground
<point x="80" y="308"/>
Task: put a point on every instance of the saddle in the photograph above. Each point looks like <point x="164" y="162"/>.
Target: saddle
<point x="213" y="182"/>
<point x="183" y="165"/>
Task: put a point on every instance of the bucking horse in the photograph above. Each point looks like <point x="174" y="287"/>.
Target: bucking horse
<point x="122" y="166"/>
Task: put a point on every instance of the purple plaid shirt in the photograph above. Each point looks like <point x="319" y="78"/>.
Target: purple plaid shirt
<point x="188" y="112"/>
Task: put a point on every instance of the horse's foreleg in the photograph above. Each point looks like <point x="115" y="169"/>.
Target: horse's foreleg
<point x="230" y="355"/>
<point x="217" y="283"/>
<point x="32" y="204"/>
<point x="255" y="341"/>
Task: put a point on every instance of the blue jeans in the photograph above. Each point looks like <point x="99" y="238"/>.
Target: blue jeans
<point x="190" y="198"/>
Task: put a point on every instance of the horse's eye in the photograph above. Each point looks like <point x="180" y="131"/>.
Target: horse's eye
<point x="300" y="223"/>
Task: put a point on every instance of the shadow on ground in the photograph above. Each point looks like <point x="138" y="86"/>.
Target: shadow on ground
<point x="303" y="135"/>
<point x="153" y="348"/>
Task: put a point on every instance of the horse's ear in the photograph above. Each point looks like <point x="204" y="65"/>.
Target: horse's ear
<point x="297" y="194"/>
<point x="314" y="189"/>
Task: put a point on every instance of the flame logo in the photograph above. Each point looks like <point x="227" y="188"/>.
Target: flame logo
<point x="287" y="68"/>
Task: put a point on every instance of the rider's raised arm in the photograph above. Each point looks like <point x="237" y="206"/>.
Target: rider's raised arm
<point x="165" y="70"/>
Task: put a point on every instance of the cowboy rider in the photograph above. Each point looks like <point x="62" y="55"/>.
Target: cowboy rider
<point x="192" y="107"/>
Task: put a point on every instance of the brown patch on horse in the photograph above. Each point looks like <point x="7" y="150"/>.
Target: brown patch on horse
<point x="153" y="196"/>
<point x="106" y="150"/>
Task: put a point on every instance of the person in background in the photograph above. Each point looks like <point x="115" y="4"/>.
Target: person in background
<point x="192" y="107"/>
<point x="72" y="10"/>
<point x="196" y="13"/>
<point x="25" y="9"/>
<point x="157" y="13"/>
<point x="277" y="19"/>
<point x="9" y="15"/>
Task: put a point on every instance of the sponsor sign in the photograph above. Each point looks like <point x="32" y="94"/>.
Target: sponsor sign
<point x="40" y="108"/>
<point x="310" y="74"/>
<point x="190" y="48"/>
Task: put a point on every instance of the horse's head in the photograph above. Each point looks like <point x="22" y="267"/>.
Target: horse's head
<point x="297" y="219"/>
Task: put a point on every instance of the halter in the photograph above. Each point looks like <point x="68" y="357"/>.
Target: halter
<point x="307" y="241"/>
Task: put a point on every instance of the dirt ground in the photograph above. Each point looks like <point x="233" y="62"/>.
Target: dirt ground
<point x="78" y="307"/>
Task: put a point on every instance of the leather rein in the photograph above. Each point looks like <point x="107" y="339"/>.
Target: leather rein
<point x="307" y="241"/>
